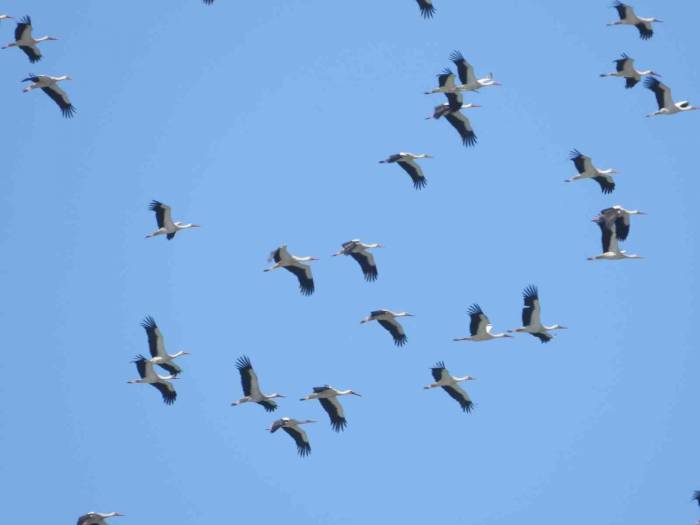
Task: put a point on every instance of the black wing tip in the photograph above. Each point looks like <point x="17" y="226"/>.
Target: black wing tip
<point x="400" y="340"/>
<point x="469" y="139"/>
<point x="575" y="154"/>
<point x="154" y="205"/>
<point x="644" y="33"/>
<point x="467" y="406"/>
<point x="446" y="71"/>
<point x="696" y="496"/>
<point x="371" y="275"/>
<point x="269" y="407"/>
<point x="651" y="83"/>
<point x="68" y="111"/>
<point x="307" y="289"/>
<point x="243" y="363"/>
<point x="169" y="397"/>
<point x="456" y="56"/>
<point x="530" y="292"/>
<point x="304" y="450"/>
<point x="474" y="309"/>
<point x="138" y="358"/>
<point x="421" y="183"/>
<point x="543" y="337"/>
<point x="149" y="323"/>
<point x="440" y="365"/>
<point x="338" y="425"/>
<point x="26" y="19"/>
<point x="427" y="11"/>
<point x="605" y="186"/>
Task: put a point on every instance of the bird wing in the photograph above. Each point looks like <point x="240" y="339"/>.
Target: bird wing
<point x="624" y="64"/>
<point x="458" y="394"/>
<point x="61" y="99"/>
<point x="163" y="217"/>
<point x="171" y="368"/>
<point x="143" y="366"/>
<point x="623" y="10"/>
<point x="645" y="30"/>
<point x="696" y="496"/>
<point x="33" y="52"/>
<point x="607" y="232"/>
<point x="415" y="172"/>
<point x="630" y="82"/>
<point x="446" y="79"/>
<point x="366" y="262"/>
<point x="335" y="411"/>
<point x="454" y="101"/>
<point x="395" y="329"/>
<point x="463" y="126"/>
<point x="478" y="320"/>
<point x="303" y="274"/>
<point x="439" y="371"/>
<point x="155" y="338"/>
<point x="544" y="337"/>
<point x="426" y="8"/>
<point x="607" y="184"/>
<point x="581" y="162"/>
<point x="249" y="379"/>
<point x="622" y="225"/>
<point x="87" y="519"/>
<point x="268" y="404"/>
<point x="531" y="310"/>
<point x="167" y="390"/>
<point x="464" y="69"/>
<point x="23" y="31"/>
<point x="276" y="425"/>
<point x="300" y="438"/>
<point x="661" y="91"/>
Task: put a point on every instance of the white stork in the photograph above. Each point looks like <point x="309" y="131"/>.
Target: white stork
<point x="251" y="387"/>
<point x="97" y="518"/>
<point x="149" y="377"/>
<point x="156" y="347"/>
<point x="620" y="217"/>
<point x="628" y="17"/>
<point x="624" y="67"/>
<point x="359" y="251"/>
<point x="611" y="248"/>
<point x="294" y="264"/>
<point x="166" y="226"/>
<point x="407" y="161"/>
<point x="426" y="8"/>
<point x="387" y="319"/>
<point x="291" y="427"/>
<point x="586" y="170"/>
<point x="467" y="77"/>
<point x="665" y="100"/>
<point x="26" y="42"/>
<point x="450" y="385"/>
<point x="531" y="317"/>
<point x="328" y="397"/>
<point x="480" y="327"/>
<point x="49" y="85"/>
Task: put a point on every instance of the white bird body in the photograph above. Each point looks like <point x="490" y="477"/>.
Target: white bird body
<point x="480" y="327"/>
<point x="387" y="319"/>
<point x="251" y="387"/>
<point x="26" y="42"/>
<point x="97" y="518"/>
<point x="166" y="226"/>
<point x="531" y="317"/>
<point x="149" y="377"/>
<point x="450" y="384"/>
<point x="360" y="252"/>
<point x="625" y="69"/>
<point x="295" y="265"/>
<point x="664" y="99"/>
<point x="327" y="396"/>
<point x="291" y="427"/>
<point x="627" y="16"/>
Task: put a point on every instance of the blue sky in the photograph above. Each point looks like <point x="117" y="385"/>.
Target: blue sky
<point x="264" y="122"/>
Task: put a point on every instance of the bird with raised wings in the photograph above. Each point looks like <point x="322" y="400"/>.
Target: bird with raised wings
<point x="328" y="397"/>
<point x="295" y="265"/>
<point x="251" y="387"/>
<point x="450" y="384"/>
<point x="292" y="427"/>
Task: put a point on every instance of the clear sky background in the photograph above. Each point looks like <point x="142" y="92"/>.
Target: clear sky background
<point x="264" y="122"/>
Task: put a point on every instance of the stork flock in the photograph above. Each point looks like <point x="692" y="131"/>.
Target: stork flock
<point x="614" y="223"/>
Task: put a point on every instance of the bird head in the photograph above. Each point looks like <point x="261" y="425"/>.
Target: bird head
<point x="559" y="327"/>
<point x="352" y="392"/>
<point x="51" y="38"/>
<point x="469" y="378"/>
<point x="277" y="395"/>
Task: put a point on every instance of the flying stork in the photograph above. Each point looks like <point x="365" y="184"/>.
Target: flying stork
<point x="467" y="77"/>
<point x="26" y="42"/>
<point x="97" y="518"/>
<point x="426" y="8"/>
<point x="149" y="377"/>
<point x="628" y="17"/>
<point x="624" y="67"/>
<point x="620" y="217"/>
<point x="166" y="226"/>
<point x="611" y="249"/>
<point x="531" y="317"/>
<point x="251" y="387"/>
<point x="387" y="319"/>
<point x="49" y="85"/>
<point x="328" y="397"/>
<point x="358" y="251"/>
<point x="450" y="385"/>
<point x="480" y="327"/>
<point x="407" y="161"/>
<point x="291" y="427"/>
<point x="586" y="170"/>
<point x="156" y="346"/>
<point x="294" y="264"/>
<point x="665" y="100"/>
